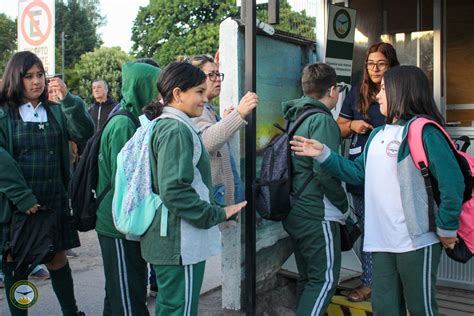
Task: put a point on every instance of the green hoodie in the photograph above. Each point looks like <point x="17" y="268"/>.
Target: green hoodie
<point x="138" y="89"/>
<point x="323" y="128"/>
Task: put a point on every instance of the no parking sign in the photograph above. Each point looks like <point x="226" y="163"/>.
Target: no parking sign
<point x="36" y="30"/>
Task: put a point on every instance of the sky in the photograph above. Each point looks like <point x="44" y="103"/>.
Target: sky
<point x="120" y="15"/>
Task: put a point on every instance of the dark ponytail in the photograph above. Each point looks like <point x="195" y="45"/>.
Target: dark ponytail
<point x="153" y="109"/>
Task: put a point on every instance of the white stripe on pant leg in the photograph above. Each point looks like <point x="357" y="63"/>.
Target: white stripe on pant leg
<point x="425" y="268"/>
<point x="329" y="276"/>
<point x="430" y="254"/>
<point x="186" y="291"/>
<point x="190" y="303"/>
<point x="125" y="278"/>
<point x="120" y="276"/>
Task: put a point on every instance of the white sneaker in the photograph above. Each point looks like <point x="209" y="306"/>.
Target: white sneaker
<point x="41" y="274"/>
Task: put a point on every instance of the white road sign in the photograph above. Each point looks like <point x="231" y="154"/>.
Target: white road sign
<point x="36" y="24"/>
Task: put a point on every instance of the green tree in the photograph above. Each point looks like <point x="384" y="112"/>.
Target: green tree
<point x="103" y="63"/>
<point x="79" y="21"/>
<point x="7" y="40"/>
<point x="165" y="29"/>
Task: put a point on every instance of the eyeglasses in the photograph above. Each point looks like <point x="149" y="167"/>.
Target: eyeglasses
<point x="381" y="65"/>
<point x="341" y="86"/>
<point x="213" y="76"/>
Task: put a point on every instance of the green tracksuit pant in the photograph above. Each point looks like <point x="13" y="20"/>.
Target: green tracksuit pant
<point x="317" y="247"/>
<point x="126" y="277"/>
<point x="404" y="281"/>
<point x="178" y="289"/>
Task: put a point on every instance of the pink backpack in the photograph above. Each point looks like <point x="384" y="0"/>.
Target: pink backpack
<point x="464" y="250"/>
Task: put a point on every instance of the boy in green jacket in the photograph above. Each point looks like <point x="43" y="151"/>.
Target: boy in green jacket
<point x="124" y="268"/>
<point x="313" y="222"/>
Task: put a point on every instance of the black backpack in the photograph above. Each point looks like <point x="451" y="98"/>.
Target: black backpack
<point x="272" y="191"/>
<point x="83" y="200"/>
<point x="32" y="240"/>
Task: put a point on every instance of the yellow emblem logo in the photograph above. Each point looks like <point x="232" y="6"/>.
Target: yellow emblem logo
<point x="23" y="294"/>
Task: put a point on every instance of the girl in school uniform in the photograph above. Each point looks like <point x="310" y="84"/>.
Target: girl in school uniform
<point x="184" y="232"/>
<point x="34" y="155"/>
<point x="406" y="252"/>
<point x="360" y="113"/>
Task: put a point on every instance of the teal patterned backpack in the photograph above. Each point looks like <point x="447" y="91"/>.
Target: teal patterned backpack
<point x="135" y="204"/>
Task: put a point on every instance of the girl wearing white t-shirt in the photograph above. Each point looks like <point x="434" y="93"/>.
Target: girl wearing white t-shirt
<point x="406" y="252"/>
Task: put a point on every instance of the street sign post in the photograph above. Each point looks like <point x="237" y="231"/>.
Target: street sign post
<point x="36" y="25"/>
<point x="340" y="41"/>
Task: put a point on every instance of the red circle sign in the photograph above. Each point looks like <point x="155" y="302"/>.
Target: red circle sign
<point x="27" y="15"/>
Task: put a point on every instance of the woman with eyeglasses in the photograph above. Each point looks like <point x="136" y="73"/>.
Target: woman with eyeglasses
<point x="217" y="131"/>
<point x="360" y="113"/>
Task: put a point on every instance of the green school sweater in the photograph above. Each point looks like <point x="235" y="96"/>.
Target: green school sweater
<point x="76" y="125"/>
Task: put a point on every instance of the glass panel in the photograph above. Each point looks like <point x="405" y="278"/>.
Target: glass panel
<point x="414" y="49"/>
<point x="406" y="24"/>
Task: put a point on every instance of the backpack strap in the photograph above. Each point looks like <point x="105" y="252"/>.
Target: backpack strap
<point x="197" y="151"/>
<point x="415" y="140"/>
<point x="291" y="129"/>
<point x="301" y="117"/>
<point x="418" y="154"/>
<point x="136" y="122"/>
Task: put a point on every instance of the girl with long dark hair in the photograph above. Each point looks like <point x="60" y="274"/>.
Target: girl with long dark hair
<point x="405" y="251"/>
<point x="360" y="113"/>
<point x="34" y="156"/>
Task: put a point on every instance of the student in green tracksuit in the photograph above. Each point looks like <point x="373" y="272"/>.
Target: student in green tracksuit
<point x="34" y="160"/>
<point x="406" y="252"/>
<point x="313" y="222"/>
<point x="184" y="232"/>
<point x="124" y="268"/>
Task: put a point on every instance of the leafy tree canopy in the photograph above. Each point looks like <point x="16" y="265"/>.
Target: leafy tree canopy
<point x="103" y="63"/>
<point x="7" y="40"/>
<point x="165" y="29"/>
<point x="79" y="20"/>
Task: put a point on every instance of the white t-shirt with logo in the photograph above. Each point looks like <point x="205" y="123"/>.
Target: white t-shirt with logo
<point x="385" y="225"/>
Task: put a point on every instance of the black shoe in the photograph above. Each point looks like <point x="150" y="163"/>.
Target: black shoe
<point x="79" y="313"/>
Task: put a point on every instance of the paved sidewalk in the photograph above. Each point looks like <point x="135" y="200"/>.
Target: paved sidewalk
<point x="89" y="284"/>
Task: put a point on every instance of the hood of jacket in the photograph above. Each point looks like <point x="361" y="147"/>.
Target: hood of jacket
<point x="292" y="108"/>
<point x="138" y="86"/>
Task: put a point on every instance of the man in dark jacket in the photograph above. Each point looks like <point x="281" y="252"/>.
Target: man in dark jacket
<point x="103" y="104"/>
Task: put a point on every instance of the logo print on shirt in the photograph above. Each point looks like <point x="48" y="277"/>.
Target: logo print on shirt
<point x="392" y="148"/>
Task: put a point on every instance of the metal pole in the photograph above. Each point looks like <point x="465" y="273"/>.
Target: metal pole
<point x="273" y="11"/>
<point x="62" y="56"/>
<point x="250" y="153"/>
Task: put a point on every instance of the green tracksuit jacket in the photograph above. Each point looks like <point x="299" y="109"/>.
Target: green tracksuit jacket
<point x="173" y="174"/>
<point x="138" y="89"/>
<point x="323" y="128"/>
<point x="443" y="167"/>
